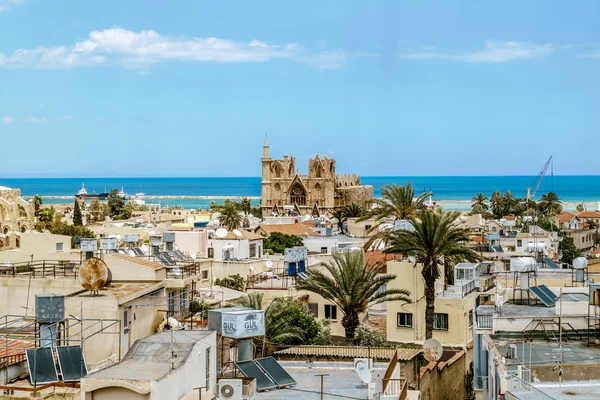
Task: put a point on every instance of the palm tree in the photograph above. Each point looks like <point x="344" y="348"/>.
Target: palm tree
<point x="436" y="239"/>
<point x="253" y="300"/>
<point x="354" y="211"/>
<point x="550" y="204"/>
<point x="353" y="287"/>
<point x="37" y="203"/>
<point x="246" y="206"/>
<point x="479" y="201"/>
<point x="340" y="216"/>
<point x="497" y="204"/>
<point x="509" y="202"/>
<point x="230" y="218"/>
<point x="396" y="203"/>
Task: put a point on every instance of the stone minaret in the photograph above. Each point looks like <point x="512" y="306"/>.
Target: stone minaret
<point x="266" y="178"/>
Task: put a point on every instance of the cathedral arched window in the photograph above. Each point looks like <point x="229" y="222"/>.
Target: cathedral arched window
<point x="298" y="195"/>
<point x="278" y="170"/>
<point x="318" y="171"/>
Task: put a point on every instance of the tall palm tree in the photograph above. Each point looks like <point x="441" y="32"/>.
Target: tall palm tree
<point x="550" y="204"/>
<point x="353" y="287"/>
<point x="497" y="204"/>
<point x="253" y="300"/>
<point x="436" y="239"/>
<point x="341" y="217"/>
<point x="230" y="218"/>
<point x="509" y="202"/>
<point x="37" y="203"/>
<point x="246" y="206"/>
<point x="479" y="201"/>
<point x="396" y="203"/>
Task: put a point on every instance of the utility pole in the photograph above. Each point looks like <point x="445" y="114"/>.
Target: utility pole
<point x="322" y="376"/>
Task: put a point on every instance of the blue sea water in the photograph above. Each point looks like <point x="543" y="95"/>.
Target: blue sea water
<point x="459" y="188"/>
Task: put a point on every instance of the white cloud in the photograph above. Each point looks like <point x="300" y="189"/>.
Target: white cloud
<point x="36" y="120"/>
<point x="6" y="4"/>
<point x="593" y="55"/>
<point x="493" y="52"/>
<point x="328" y="59"/>
<point x="140" y="49"/>
<point x="6" y="120"/>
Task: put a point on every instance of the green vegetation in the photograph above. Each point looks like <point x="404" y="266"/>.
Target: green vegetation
<point x="60" y="227"/>
<point x="436" y="239"/>
<point x="98" y="211"/>
<point x="235" y="282"/>
<point x="568" y="249"/>
<point x="370" y="337"/>
<point x="230" y="217"/>
<point x="550" y="204"/>
<point x="45" y="218"/>
<point x="396" y="203"/>
<point x="352" y="286"/>
<point x="201" y="307"/>
<point x="244" y="206"/>
<point x="77" y="216"/>
<point x="350" y="211"/>
<point x="287" y="321"/>
<point x="277" y="242"/>
<point x="117" y="209"/>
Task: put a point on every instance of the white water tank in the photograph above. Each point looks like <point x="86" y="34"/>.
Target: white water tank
<point x="580" y="262"/>
<point x="537" y="247"/>
<point x="522" y="264"/>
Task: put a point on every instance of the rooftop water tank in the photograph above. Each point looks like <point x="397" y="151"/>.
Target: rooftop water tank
<point x="580" y="262"/>
<point x="522" y="264"/>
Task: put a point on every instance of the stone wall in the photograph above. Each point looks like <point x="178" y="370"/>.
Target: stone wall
<point x="571" y="372"/>
<point x="444" y="380"/>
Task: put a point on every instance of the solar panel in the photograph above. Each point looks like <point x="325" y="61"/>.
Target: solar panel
<point x="176" y="256"/>
<point x="42" y="368"/>
<point x="540" y="294"/>
<point x="549" y="262"/>
<point x="138" y="252"/>
<point x="253" y="370"/>
<point x="589" y="281"/>
<point x="276" y="371"/>
<point x="180" y="254"/>
<point x="548" y="292"/>
<point x="71" y="362"/>
<point x="162" y="259"/>
<point x="168" y="258"/>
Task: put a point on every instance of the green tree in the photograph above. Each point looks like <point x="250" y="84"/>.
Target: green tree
<point x="60" y="227"/>
<point x="117" y="209"/>
<point x="436" y="238"/>
<point x="579" y="207"/>
<point x="353" y="287"/>
<point x="45" y="218"/>
<point x="568" y="249"/>
<point x="497" y="204"/>
<point x="278" y="242"/>
<point x="235" y="282"/>
<point x="246" y="206"/>
<point x="77" y="216"/>
<point x="230" y="217"/>
<point x="340" y="217"/>
<point x="37" y="204"/>
<point x="396" y="203"/>
<point x="96" y="212"/>
<point x="509" y="203"/>
<point x="370" y="337"/>
<point x="550" y="204"/>
<point x="354" y="210"/>
<point x="253" y="300"/>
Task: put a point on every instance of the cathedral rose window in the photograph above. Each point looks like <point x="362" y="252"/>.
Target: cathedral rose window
<point x="298" y="196"/>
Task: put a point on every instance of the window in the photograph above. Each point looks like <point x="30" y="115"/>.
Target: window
<point x="519" y="243"/>
<point x="204" y="275"/>
<point x="313" y="308"/>
<point x="330" y="312"/>
<point x="253" y="250"/>
<point x="323" y="250"/>
<point x="440" y="322"/>
<point x="470" y="318"/>
<point x="404" y="320"/>
<point x="494" y="229"/>
<point x="59" y="247"/>
<point x="367" y="227"/>
<point x="207" y="369"/>
<point x="297" y="195"/>
<point x="211" y="252"/>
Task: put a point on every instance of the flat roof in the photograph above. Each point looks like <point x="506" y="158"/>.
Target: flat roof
<point x="120" y="289"/>
<point x="576" y="390"/>
<point x="149" y="359"/>
<point x="350" y="352"/>
<point x="545" y="353"/>
<point x="341" y="382"/>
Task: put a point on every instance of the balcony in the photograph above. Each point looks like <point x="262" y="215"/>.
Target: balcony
<point x="460" y="290"/>
<point x="485" y="317"/>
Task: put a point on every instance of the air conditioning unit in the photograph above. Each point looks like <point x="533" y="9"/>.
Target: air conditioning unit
<point x="512" y="351"/>
<point x="231" y="389"/>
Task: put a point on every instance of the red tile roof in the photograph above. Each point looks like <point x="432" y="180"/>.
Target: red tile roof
<point x="300" y="230"/>
<point x="14" y="350"/>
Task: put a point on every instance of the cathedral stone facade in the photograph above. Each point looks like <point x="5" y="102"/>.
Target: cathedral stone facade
<point x="16" y="216"/>
<point x="285" y="191"/>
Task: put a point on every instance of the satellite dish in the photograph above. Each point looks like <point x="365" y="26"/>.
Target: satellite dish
<point x="193" y="255"/>
<point x="251" y="268"/>
<point x="361" y="367"/>
<point x="237" y="233"/>
<point x="94" y="274"/>
<point x="580" y="262"/>
<point x="221" y="233"/>
<point x="177" y="271"/>
<point x="269" y="264"/>
<point x="432" y="350"/>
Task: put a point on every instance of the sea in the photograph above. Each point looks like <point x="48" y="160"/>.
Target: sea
<point x="453" y="192"/>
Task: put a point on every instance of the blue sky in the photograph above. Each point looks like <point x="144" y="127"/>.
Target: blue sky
<point x="189" y="88"/>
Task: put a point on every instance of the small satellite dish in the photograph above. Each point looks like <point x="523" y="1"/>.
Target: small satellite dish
<point x="251" y="268"/>
<point x="269" y="264"/>
<point x="193" y="255"/>
<point x="221" y="233"/>
<point x="361" y="367"/>
<point x="176" y="271"/>
<point x="580" y="262"/>
<point x="93" y="274"/>
<point x="432" y="350"/>
<point x="237" y="233"/>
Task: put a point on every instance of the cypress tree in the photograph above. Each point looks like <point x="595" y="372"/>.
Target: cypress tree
<point x="77" y="216"/>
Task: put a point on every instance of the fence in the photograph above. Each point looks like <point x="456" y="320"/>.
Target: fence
<point x="516" y="384"/>
<point x="485" y="321"/>
<point x="42" y="269"/>
<point x="455" y="292"/>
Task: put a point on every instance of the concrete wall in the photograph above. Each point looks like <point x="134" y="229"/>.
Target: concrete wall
<point x="37" y="243"/>
<point x="571" y="372"/>
<point x="359" y="229"/>
<point x="113" y="392"/>
<point x="129" y="270"/>
<point x="444" y="380"/>
<point x="192" y="242"/>
<point x="18" y="293"/>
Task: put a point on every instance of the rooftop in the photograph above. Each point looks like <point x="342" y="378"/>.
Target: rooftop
<point x="149" y="358"/>
<point x="350" y="352"/>
<point x="544" y="352"/>
<point x="288" y="229"/>
<point x="576" y="390"/>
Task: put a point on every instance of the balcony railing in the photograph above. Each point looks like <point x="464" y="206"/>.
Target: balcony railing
<point x="485" y="321"/>
<point x="458" y="291"/>
<point x="41" y="269"/>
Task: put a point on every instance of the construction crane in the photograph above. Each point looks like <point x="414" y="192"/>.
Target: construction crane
<point x="539" y="181"/>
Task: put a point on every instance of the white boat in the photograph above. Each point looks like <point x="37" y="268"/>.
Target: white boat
<point x="139" y="199"/>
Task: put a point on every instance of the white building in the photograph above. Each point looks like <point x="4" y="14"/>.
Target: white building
<point x="235" y="246"/>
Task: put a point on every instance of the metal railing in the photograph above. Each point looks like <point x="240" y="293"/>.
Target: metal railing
<point x="182" y="271"/>
<point x="41" y="269"/>
<point x="457" y="291"/>
<point x="516" y="384"/>
<point x="485" y="321"/>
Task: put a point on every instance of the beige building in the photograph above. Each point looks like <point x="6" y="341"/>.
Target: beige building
<point x="285" y="190"/>
<point x="16" y="216"/>
<point x="454" y="305"/>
